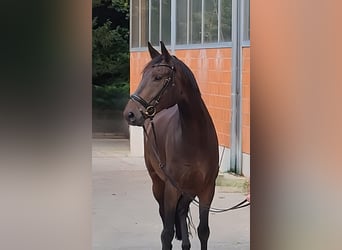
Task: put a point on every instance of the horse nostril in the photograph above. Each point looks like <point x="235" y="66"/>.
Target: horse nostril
<point x="131" y="116"/>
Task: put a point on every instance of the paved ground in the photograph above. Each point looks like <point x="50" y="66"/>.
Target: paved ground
<point x="125" y="215"/>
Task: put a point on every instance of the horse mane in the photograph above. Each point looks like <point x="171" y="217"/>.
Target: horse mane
<point x="179" y="65"/>
<point x="187" y="73"/>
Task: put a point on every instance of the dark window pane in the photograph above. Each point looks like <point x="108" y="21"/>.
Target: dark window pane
<point x="246" y="21"/>
<point x="195" y="21"/>
<point x="144" y="23"/>
<point x="210" y="21"/>
<point x="135" y="23"/>
<point x="181" y="22"/>
<point x="226" y="21"/>
<point x="166" y="22"/>
<point x="155" y="22"/>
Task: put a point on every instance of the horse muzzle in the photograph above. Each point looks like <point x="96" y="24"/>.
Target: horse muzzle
<point x="133" y="115"/>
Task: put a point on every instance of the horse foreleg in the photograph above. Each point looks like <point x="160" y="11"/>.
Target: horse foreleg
<point x="171" y="196"/>
<point x="158" y="193"/>
<point x="205" y="200"/>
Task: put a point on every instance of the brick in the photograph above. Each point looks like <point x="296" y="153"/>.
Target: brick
<point x="246" y="64"/>
<point x="246" y="91"/>
<point x="211" y="53"/>
<point x="193" y="65"/>
<point x="224" y="90"/>
<point x="224" y="140"/>
<point x="180" y="53"/>
<point x="246" y="120"/>
<point x="214" y="76"/>
<point x="225" y="77"/>
<point x="203" y="87"/>
<point x="226" y="64"/>
<point x="227" y="52"/>
<point x="212" y="64"/>
<point x="214" y="88"/>
<point x="246" y="77"/>
<point x="246" y="139"/>
<point x="246" y="52"/>
<point x="194" y="53"/>
<point x="246" y="106"/>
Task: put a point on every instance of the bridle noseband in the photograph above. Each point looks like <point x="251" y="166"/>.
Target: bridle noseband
<point x="150" y="107"/>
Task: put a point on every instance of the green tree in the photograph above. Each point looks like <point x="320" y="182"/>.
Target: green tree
<point x="110" y="55"/>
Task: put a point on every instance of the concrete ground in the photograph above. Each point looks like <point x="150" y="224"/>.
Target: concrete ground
<point x="125" y="214"/>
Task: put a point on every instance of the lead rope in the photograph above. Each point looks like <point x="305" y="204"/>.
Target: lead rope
<point x="194" y="200"/>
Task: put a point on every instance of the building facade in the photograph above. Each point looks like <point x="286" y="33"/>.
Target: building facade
<point x="212" y="38"/>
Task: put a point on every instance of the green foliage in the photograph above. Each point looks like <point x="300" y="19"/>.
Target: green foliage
<point x="112" y="97"/>
<point x="110" y="75"/>
<point x="110" y="53"/>
<point x="118" y="5"/>
<point x="121" y="5"/>
<point x="97" y="3"/>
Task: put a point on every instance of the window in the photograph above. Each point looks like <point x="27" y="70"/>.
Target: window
<point x="140" y="23"/>
<point x="225" y="34"/>
<point x="196" y="22"/>
<point x="203" y="21"/>
<point x="195" y="25"/>
<point x="144" y="23"/>
<point x="246" y="20"/>
<point x="150" y="21"/>
<point x="155" y="7"/>
<point x="166" y="22"/>
<point x="210" y="21"/>
<point x="135" y="24"/>
<point x="182" y="22"/>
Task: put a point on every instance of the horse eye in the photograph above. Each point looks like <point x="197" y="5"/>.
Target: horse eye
<point x="157" y="78"/>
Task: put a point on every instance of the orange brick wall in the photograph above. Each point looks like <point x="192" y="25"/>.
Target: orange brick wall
<point x="212" y="69"/>
<point x="138" y="60"/>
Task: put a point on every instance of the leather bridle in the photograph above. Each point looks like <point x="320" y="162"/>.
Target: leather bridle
<point x="150" y="107"/>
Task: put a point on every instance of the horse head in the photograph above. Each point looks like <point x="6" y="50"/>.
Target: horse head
<point x="157" y="89"/>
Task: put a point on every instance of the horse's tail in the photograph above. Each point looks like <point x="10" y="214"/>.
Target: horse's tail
<point x="183" y="209"/>
<point x="178" y="226"/>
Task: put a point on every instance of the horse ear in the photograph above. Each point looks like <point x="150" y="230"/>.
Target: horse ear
<point x="165" y="52"/>
<point x="153" y="51"/>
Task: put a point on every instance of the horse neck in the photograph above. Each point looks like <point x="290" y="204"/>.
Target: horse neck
<point x="193" y="113"/>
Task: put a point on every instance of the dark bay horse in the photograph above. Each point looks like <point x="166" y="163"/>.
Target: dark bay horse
<point x="181" y="148"/>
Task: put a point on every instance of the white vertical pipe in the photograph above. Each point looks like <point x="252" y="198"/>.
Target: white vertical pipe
<point x="187" y="21"/>
<point x="160" y="19"/>
<point x="139" y="19"/>
<point x="149" y="19"/>
<point x="218" y="20"/>
<point x="202" y="26"/>
<point x="173" y="26"/>
<point x="236" y="152"/>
